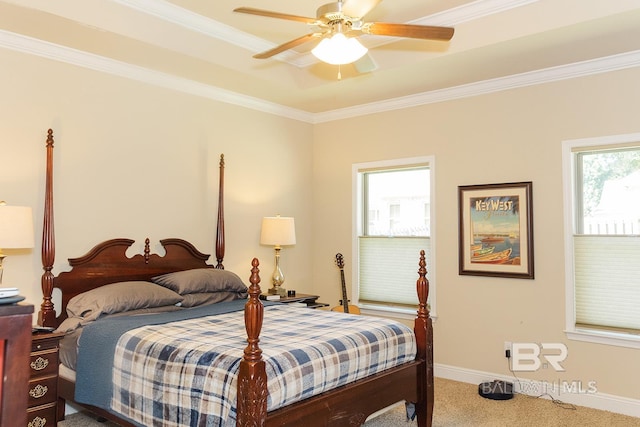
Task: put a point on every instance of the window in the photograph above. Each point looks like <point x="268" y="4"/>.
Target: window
<point x="602" y="239"/>
<point x="393" y="223"/>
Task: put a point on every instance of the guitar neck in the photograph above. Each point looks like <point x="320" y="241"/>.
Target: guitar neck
<point x="345" y="302"/>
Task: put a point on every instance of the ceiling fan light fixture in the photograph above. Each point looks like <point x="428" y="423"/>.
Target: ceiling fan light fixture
<point x="339" y="50"/>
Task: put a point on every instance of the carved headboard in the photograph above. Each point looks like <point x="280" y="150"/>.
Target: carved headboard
<point x="107" y="262"/>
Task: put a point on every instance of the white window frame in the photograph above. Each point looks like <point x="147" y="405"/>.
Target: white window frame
<point x="381" y="309"/>
<point x="568" y="171"/>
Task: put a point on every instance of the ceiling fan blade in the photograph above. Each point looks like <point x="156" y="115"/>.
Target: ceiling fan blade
<point x="409" y="31"/>
<point x="285" y="46"/>
<point x="270" y="14"/>
<point x="358" y="8"/>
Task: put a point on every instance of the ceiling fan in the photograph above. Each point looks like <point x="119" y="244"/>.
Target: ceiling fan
<point x="338" y="24"/>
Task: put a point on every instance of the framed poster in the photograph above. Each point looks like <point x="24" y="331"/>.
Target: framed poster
<point x="496" y="230"/>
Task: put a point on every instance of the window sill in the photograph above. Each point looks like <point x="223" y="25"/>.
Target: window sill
<point x="604" y="337"/>
<point x="392" y="312"/>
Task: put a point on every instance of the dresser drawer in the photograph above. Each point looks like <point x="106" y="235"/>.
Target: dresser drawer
<point x="42" y="416"/>
<point x="43" y="390"/>
<point x="44" y="363"/>
<point x="46" y="343"/>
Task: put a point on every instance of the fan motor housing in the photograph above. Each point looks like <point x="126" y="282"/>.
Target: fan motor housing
<point x="330" y="12"/>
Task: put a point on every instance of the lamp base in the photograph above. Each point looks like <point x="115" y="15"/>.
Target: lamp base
<point x="277" y="291"/>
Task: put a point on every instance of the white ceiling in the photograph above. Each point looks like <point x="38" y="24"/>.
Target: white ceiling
<point x="203" y="46"/>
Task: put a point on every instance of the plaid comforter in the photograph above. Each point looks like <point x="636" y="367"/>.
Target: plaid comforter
<point x="184" y="373"/>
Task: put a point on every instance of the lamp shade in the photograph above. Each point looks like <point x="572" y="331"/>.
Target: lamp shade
<point x="278" y="231"/>
<point x="16" y="227"/>
<point x="339" y="50"/>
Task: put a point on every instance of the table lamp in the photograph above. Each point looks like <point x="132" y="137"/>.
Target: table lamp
<point x="277" y="231"/>
<point x="16" y="229"/>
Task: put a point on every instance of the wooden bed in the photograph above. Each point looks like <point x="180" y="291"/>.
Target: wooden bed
<point x="346" y="405"/>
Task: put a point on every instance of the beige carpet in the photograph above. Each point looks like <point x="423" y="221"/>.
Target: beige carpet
<point x="459" y="405"/>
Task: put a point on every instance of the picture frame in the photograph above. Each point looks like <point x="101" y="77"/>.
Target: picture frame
<point x="496" y="230"/>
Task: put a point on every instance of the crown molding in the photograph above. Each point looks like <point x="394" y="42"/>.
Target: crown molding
<point x="32" y="46"/>
<point x="192" y="21"/>
<point x="546" y="75"/>
<point x="470" y="11"/>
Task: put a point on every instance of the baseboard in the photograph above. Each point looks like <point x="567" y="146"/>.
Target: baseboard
<point x="581" y="394"/>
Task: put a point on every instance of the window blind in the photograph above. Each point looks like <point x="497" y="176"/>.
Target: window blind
<point x="394" y="279"/>
<point x="607" y="282"/>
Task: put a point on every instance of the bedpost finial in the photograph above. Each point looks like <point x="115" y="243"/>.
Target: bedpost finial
<point x="422" y="287"/>
<point x="255" y="272"/>
<point x="221" y="160"/>
<point x="422" y="271"/>
<point x="147" y="251"/>
<point x="50" y="138"/>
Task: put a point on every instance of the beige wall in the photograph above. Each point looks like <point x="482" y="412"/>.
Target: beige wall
<point x="509" y="136"/>
<point x="133" y="160"/>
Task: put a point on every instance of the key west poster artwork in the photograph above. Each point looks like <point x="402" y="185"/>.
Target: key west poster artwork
<point x="496" y="230"/>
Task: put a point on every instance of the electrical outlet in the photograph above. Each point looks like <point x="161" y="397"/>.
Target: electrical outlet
<point x="507" y="345"/>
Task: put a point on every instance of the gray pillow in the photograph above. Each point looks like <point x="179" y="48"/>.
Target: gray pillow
<point x="120" y="297"/>
<point x="204" y="298"/>
<point x="201" y="280"/>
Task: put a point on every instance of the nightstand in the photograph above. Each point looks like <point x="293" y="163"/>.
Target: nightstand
<point x="309" y="300"/>
<point x="43" y="379"/>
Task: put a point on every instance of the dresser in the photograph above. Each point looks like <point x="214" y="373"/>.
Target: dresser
<point x="43" y="380"/>
<point x="15" y="338"/>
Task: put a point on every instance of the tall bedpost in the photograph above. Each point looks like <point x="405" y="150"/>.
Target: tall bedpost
<point x="220" y="228"/>
<point x="424" y="336"/>
<point x="252" y="376"/>
<point x="47" y="314"/>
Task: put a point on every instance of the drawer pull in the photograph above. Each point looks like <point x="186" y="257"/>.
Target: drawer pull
<point x="37" y="422"/>
<point x="39" y="364"/>
<point x="38" y="391"/>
